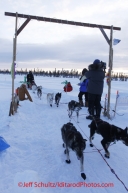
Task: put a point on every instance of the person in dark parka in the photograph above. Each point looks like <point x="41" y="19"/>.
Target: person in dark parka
<point x="95" y="75"/>
<point x="30" y="79"/>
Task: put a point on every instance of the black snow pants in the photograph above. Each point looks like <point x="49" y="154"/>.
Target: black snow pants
<point x="94" y="106"/>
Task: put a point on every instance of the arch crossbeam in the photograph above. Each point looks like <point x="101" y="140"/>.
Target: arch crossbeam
<point x="54" y="20"/>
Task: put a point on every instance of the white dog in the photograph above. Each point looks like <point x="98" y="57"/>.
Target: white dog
<point x="50" y="97"/>
<point x="34" y="88"/>
<point x="38" y="89"/>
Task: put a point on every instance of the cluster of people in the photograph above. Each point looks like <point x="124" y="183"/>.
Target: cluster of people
<point x="91" y="86"/>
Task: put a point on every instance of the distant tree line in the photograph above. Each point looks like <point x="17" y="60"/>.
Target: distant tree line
<point x="62" y="73"/>
<point x="55" y="73"/>
<point x="119" y="76"/>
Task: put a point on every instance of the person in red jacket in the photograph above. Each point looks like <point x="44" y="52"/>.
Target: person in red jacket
<point x="68" y="87"/>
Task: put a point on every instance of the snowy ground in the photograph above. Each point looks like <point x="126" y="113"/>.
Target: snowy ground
<point x="36" y="156"/>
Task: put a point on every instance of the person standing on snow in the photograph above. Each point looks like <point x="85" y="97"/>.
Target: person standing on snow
<point x="30" y="79"/>
<point x="83" y="88"/>
<point x="95" y="75"/>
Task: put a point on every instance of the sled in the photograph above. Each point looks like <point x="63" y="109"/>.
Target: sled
<point x="3" y="144"/>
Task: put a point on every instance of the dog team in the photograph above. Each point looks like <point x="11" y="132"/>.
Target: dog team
<point x="50" y="96"/>
<point x="91" y="86"/>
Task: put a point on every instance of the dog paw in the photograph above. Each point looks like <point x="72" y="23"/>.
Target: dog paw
<point x="63" y="145"/>
<point x="68" y="161"/>
<point x="91" y="145"/>
<point x="65" y="151"/>
<point x="83" y="176"/>
<point x="107" y="156"/>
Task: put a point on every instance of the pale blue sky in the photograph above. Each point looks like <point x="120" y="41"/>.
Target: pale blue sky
<point x="49" y="45"/>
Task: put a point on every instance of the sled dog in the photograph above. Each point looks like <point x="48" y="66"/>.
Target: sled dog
<point x="16" y="102"/>
<point x="34" y="88"/>
<point x="38" y="89"/>
<point x="39" y="92"/>
<point x="110" y="133"/>
<point x="73" y="140"/>
<point x="50" y="97"/>
<point x="74" y="106"/>
<point x="57" y="98"/>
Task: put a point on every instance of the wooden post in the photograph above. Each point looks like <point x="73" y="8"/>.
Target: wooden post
<point x="13" y="69"/>
<point x="110" y="71"/>
<point x="117" y="94"/>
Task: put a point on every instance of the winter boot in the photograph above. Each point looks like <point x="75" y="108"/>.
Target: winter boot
<point x="81" y="103"/>
<point x="89" y="117"/>
<point x="86" y="103"/>
<point x="91" y="111"/>
<point x="98" y="111"/>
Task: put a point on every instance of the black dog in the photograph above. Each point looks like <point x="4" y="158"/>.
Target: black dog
<point x="73" y="139"/>
<point x="57" y="98"/>
<point x="74" y="106"/>
<point x="110" y="133"/>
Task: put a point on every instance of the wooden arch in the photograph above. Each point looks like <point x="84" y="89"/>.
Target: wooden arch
<point x="60" y="21"/>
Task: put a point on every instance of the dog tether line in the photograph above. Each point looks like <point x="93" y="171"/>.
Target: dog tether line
<point x="112" y="170"/>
